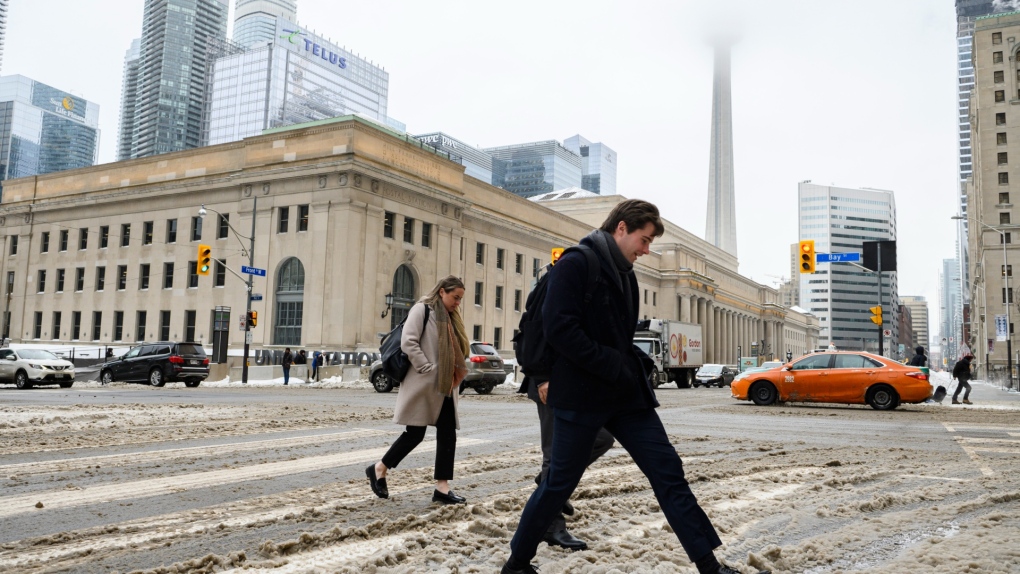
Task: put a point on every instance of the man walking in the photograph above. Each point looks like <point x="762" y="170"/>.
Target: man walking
<point x="961" y="372"/>
<point x="599" y="379"/>
<point x="288" y="360"/>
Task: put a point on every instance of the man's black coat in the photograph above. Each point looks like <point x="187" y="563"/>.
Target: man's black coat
<point x="597" y="366"/>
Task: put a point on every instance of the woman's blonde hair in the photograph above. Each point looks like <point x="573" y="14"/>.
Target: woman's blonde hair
<point x="447" y="284"/>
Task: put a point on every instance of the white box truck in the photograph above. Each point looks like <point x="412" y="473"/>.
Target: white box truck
<point x="676" y="348"/>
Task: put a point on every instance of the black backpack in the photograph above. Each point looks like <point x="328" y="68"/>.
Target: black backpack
<point x="534" y="354"/>
<point x="394" y="360"/>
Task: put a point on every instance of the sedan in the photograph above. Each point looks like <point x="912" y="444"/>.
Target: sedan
<point x="28" y="367"/>
<point x="855" y="378"/>
<point x="485" y="370"/>
<point x="719" y="375"/>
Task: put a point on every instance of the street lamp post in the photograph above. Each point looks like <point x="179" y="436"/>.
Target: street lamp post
<point x="1009" y="292"/>
<point x="251" y="263"/>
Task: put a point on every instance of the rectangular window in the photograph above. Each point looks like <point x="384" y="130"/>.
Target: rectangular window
<point x="426" y="234"/>
<point x="1006" y="238"/>
<point x="60" y="280"/>
<point x="75" y="325"/>
<point x="196" y="228"/>
<point x="118" y="325"/>
<point x="55" y="333"/>
<point x="168" y="275"/>
<point x="1007" y="294"/>
<point x="171" y="231"/>
<point x="461" y="249"/>
<point x="164" y="325"/>
<point x="1003" y="158"/>
<point x="500" y="257"/>
<point x="223" y="229"/>
<point x="999" y="76"/>
<point x="387" y="226"/>
<point x="996" y="57"/>
<point x="497" y="337"/>
<point x="646" y="297"/>
<point x="1003" y="197"/>
<point x="97" y="325"/>
<point x="1003" y="217"/>
<point x="125" y="235"/>
<point x="480" y="253"/>
<point x="499" y="296"/>
<point x="192" y="274"/>
<point x="83" y="238"/>
<point x="655" y="298"/>
<point x="408" y="230"/>
<point x="517" y="300"/>
<point x="37" y="326"/>
<point x="14" y="245"/>
<point x="41" y="288"/>
<point x="535" y="266"/>
<point x="45" y="243"/>
<point x="63" y="239"/>
<point x="221" y="275"/>
<point x="79" y="279"/>
<point x="143" y="276"/>
<point x="189" y="326"/>
<point x="121" y="277"/>
<point x="100" y="278"/>
<point x="140" y="326"/>
<point x="104" y="236"/>
<point x="1007" y="270"/>
<point x="1000" y="95"/>
<point x="147" y="230"/>
<point x="478" y="292"/>
<point x="996" y="37"/>
<point x="1000" y="118"/>
<point x="476" y="333"/>
<point x="1000" y="138"/>
<point x="1003" y="178"/>
<point x="284" y="223"/>
<point x="519" y="264"/>
<point x="302" y="221"/>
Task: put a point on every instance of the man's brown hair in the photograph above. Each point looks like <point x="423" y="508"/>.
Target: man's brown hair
<point x="635" y="214"/>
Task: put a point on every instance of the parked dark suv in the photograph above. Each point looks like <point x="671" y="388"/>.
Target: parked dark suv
<point x="158" y="363"/>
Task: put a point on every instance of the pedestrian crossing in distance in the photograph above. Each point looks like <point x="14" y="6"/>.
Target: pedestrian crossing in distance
<point x="984" y="443"/>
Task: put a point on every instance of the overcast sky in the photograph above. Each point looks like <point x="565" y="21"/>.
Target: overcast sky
<point x="853" y="94"/>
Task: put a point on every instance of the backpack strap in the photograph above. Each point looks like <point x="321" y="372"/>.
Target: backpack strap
<point x="425" y="322"/>
<point x="594" y="270"/>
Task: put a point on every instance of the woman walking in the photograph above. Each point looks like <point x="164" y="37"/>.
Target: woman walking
<point x="428" y="394"/>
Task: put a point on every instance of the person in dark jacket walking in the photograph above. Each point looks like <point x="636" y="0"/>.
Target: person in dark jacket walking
<point x="961" y="372"/>
<point x="599" y="380"/>
<point x="919" y="359"/>
<point x="288" y="360"/>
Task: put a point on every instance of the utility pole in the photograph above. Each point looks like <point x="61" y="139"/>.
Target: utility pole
<point x="878" y="273"/>
<point x="247" y="313"/>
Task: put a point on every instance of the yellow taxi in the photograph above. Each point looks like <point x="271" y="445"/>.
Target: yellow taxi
<point x="846" y="377"/>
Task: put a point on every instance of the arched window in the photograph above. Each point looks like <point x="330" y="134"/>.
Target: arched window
<point x="290" y="296"/>
<point x="403" y="294"/>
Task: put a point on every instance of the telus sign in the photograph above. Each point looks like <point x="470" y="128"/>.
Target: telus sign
<point x="316" y="49"/>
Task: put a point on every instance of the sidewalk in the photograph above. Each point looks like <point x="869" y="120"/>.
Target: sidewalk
<point x="983" y="394"/>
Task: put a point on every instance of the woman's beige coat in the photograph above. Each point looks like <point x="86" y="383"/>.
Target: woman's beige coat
<point x="418" y="403"/>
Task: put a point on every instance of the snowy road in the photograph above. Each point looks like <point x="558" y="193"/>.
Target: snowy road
<point x="128" y="478"/>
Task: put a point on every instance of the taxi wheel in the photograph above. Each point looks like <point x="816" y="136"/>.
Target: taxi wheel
<point x="763" y="393"/>
<point x="883" y="398"/>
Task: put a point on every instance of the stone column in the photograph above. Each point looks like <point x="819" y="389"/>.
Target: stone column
<point x="685" y="308"/>
<point x="709" y="332"/>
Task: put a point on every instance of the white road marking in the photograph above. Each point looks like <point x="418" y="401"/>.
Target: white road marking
<point x="972" y="453"/>
<point x="949" y="478"/>
<point x="57" y="499"/>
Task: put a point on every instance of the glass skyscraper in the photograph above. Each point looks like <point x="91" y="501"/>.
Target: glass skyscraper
<point x="171" y="78"/>
<point x="43" y="129"/>
<point x="297" y="78"/>
<point x="535" y="168"/>
<point x="598" y="165"/>
<point x="840" y="220"/>
<point x="255" y="20"/>
<point x="128" y="97"/>
<point x="3" y="26"/>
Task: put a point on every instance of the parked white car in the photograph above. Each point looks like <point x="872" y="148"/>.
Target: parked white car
<point x="29" y="367"/>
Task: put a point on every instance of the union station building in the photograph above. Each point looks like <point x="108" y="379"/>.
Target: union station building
<point x="352" y="223"/>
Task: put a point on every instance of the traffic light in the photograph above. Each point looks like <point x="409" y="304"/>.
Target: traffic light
<point x="254" y="318"/>
<point x="876" y="314"/>
<point x="204" y="259"/>
<point x="807" y="256"/>
<point x="556" y="253"/>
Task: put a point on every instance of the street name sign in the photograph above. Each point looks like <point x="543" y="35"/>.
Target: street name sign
<point x="256" y="297"/>
<point x="253" y="271"/>
<point x="838" y="257"/>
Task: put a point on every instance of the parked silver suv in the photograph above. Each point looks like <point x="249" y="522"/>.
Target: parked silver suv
<point x="485" y="371"/>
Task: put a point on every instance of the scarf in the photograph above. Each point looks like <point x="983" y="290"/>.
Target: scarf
<point x="453" y="348"/>
<point x="606" y="246"/>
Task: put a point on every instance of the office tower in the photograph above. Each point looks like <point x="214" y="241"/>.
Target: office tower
<point x="128" y="97"/>
<point x="950" y="314"/>
<point x="918" y="318"/>
<point x="171" y="79"/>
<point x="534" y="168"/>
<point x="43" y="129"/>
<point x="296" y="78"/>
<point x="255" y="20"/>
<point x="721" y="221"/>
<point x="840" y="220"/>
<point x="598" y="165"/>
<point x="3" y="27"/>
<point x="476" y="162"/>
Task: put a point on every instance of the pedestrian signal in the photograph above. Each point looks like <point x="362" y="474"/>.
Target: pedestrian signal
<point x="807" y="256"/>
<point x="876" y="314"/>
<point x="556" y="253"/>
<point x="204" y="259"/>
